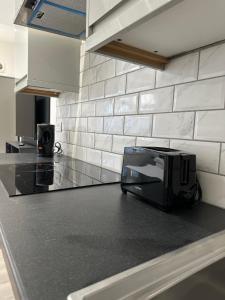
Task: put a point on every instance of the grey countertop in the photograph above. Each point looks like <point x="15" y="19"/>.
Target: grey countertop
<point x="60" y="242"/>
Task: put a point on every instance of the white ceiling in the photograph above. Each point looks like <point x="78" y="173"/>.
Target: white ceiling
<point x="7" y="12"/>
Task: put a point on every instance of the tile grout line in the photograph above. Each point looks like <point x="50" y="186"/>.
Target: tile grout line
<point x="194" y="124"/>
<point x="173" y="104"/>
<point x="198" y="67"/>
<point x="219" y="163"/>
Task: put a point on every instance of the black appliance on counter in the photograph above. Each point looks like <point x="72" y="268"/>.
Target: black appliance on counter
<point x="65" y="173"/>
<point x="45" y="139"/>
<point x="164" y="177"/>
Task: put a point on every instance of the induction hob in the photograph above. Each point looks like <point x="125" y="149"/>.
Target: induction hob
<point x="34" y="178"/>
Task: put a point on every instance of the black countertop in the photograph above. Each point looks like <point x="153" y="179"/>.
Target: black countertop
<point x="63" y="241"/>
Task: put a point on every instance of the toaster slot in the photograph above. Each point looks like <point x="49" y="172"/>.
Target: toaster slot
<point x="184" y="170"/>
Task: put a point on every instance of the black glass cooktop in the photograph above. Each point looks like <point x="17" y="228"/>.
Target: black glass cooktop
<point x="33" y="178"/>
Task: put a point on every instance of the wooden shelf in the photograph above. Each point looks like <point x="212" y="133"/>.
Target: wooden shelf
<point x="39" y="92"/>
<point x="132" y="54"/>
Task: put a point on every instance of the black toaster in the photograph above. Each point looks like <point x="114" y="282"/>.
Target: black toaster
<point x="162" y="176"/>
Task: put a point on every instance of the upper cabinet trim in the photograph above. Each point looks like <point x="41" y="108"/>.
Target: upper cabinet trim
<point x="129" y="13"/>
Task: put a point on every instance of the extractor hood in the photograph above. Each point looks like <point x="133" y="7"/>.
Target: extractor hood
<point x="64" y="17"/>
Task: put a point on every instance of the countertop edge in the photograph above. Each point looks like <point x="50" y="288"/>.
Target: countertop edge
<point x="186" y="260"/>
<point x="16" y="282"/>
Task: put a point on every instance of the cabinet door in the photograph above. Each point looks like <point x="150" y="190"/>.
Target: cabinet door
<point x="98" y="8"/>
<point x="53" y="61"/>
<point x="120" y="19"/>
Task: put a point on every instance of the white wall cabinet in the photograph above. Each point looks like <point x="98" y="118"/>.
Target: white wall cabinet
<point x="46" y="62"/>
<point x="99" y="8"/>
<point x="153" y="30"/>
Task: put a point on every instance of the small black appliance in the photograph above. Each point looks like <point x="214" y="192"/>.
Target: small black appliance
<point x="45" y="139"/>
<point x="164" y="177"/>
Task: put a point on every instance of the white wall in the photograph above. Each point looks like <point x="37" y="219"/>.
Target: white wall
<point x="53" y="111"/>
<point x="7" y="96"/>
<point x="7" y="111"/>
<point x="7" y="58"/>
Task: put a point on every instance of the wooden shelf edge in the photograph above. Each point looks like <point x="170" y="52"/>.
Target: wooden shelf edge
<point x="39" y="92"/>
<point x="133" y="54"/>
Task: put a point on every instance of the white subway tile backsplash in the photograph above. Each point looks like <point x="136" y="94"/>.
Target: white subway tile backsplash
<point x="83" y="95"/>
<point x="96" y="59"/>
<point x="112" y="161"/>
<point x="121" y="141"/>
<point x="104" y="107"/>
<point x="88" y="109"/>
<point x="84" y="62"/>
<point x="95" y="124"/>
<point x="212" y="62"/>
<point x="84" y="78"/>
<point x="71" y="97"/>
<point x="62" y="137"/>
<point x="66" y="124"/>
<point x="72" y="124"/>
<point x="68" y="149"/>
<point x="69" y="124"/>
<point x="179" y="70"/>
<point x="103" y="142"/>
<point x="92" y="76"/>
<point x="222" y="160"/>
<point x="115" y="86"/>
<point x="207" y="153"/>
<point x="126" y="104"/>
<point x="94" y="156"/>
<point x="122" y="104"/>
<point x="81" y="124"/>
<point x="106" y="70"/>
<point x="88" y="77"/>
<point x="80" y="153"/>
<point x="152" y="142"/>
<point x="74" y="137"/>
<point x="139" y="125"/>
<point x="174" y="125"/>
<point x="123" y="67"/>
<point x="210" y="125"/>
<point x="58" y="125"/>
<point x="113" y="125"/>
<point x="96" y="91"/>
<point x="75" y="110"/>
<point x="63" y="111"/>
<point x="61" y="100"/>
<point x="158" y="100"/>
<point x="213" y="188"/>
<point x="87" y="139"/>
<point x="140" y="80"/>
<point x="200" y="95"/>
